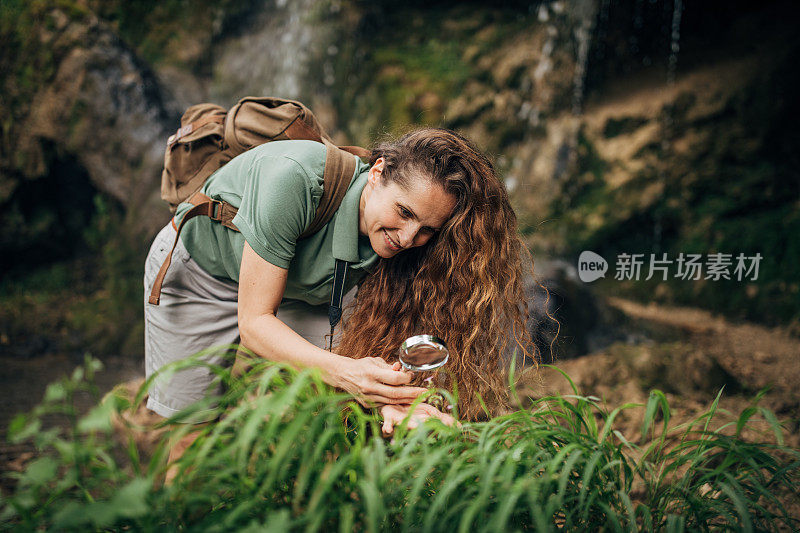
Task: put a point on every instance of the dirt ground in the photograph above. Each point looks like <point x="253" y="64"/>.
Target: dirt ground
<point x="690" y="355"/>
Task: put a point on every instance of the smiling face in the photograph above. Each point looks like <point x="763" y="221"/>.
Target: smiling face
<point x="396" y="217"/>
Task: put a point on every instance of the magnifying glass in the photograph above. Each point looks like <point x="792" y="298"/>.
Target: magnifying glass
<point x="423" y="352"/>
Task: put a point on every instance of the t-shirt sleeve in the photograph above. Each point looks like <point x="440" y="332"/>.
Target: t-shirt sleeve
<point x="277" y="205"/>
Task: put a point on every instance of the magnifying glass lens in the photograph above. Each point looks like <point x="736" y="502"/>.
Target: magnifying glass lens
<point x="423" y="352"/>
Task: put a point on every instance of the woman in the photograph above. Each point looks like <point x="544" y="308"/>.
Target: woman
<point x="427" y="230"/>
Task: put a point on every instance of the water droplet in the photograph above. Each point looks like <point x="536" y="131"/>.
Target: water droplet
<point x="511" y="183"/>
<point x="543" y="15"/>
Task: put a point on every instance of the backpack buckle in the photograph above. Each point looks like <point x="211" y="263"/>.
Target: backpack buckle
<point x="215" y="210"/>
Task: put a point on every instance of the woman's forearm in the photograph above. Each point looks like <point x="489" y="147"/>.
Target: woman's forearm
<point x="267" y="336"/>
<point x="261" y="288"/>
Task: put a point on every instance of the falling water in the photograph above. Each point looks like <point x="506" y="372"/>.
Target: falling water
<point x="675" y="37"/>
<point x="583" y="32"/>
<point x="273" y="57"/>
<point x="585" y="11"/>
<point x="672" y="65"/>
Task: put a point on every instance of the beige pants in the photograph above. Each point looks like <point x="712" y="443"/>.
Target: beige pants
<point x="198" y="312"/>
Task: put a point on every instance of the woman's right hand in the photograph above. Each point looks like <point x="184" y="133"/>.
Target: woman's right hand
<point x="371" y="380"/>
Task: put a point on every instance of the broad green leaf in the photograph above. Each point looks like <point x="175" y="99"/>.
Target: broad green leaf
<point x="40" y="471"/>
<point x="22" y="428"/>
<point x="55" y="392"/>
<point x="97" y="419"/>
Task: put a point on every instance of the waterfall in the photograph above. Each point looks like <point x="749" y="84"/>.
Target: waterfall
<point x="586" y="13"/>
<point x="585" y="10"/>
<point x="672" y="65"/>
<point x="273" y="55"/>
<point x="674" y="46"/>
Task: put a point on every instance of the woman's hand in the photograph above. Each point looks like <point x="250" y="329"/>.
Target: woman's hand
<point x="393" y="415"/>
<point x="371" y="380"/>
<point x="261" y="286"/>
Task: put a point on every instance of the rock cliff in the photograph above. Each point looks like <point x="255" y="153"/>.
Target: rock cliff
<point x="98" y="107"/>
<point x="619" y="127"/>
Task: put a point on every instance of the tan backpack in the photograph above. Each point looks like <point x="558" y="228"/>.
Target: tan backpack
<point x="209" y="137"/>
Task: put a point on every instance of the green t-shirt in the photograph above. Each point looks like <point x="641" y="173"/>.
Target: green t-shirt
<point x="277" y="187"/>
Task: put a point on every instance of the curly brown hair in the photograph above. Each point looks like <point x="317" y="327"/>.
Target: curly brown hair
<point x="465" y="285"/>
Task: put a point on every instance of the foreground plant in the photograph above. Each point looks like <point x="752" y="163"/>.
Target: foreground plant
<point x="291" y="453"/>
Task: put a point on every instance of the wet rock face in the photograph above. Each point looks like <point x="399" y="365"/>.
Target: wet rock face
<point x="103" y="108"/>
<point x="526" y="78"/>
<point x="695" y="159"/>
<point x="272" y="55"/>
<point x="701" y="165"/>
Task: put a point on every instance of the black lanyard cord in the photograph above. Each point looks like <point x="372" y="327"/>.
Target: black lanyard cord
<point x="335" y="309"/>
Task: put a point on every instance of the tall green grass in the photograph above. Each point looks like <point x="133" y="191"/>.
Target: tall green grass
<point x="289" y="453"/>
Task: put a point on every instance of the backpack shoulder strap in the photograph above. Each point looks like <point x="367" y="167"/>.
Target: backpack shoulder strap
<point x="339" y="169"/>
<point x="216" y="210"/>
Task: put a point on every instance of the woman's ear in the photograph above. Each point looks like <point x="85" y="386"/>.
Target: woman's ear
<point x="376" y="172"/>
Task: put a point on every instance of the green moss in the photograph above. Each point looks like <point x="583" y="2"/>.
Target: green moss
<point x="505" y="132"/>
<point x="619" y="126"/>
<point x="408" y="71"/>
<point x="156" y="29"/>
<point x="77" y="114"/>
<point x="74" y="10"/>
<point x="404" y="57"/>
<point x="159" y="30"/>
<point x="585" y="194"/>
<point x="25" y="62"/>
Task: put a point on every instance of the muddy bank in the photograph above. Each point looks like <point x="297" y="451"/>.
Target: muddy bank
<point x="689" y="354"/>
